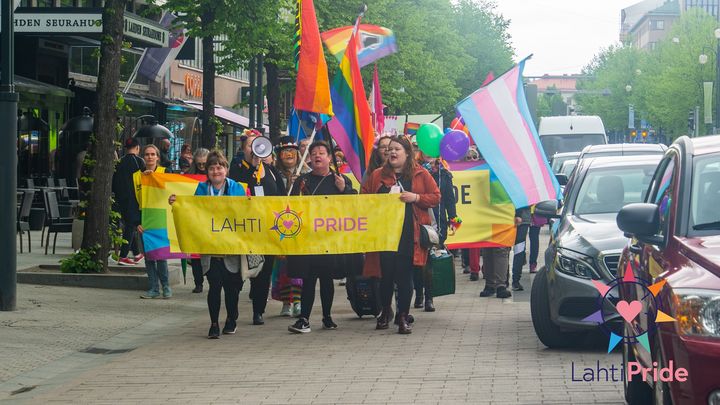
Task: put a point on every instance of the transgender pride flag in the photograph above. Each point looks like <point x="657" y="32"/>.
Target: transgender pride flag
<point x="499" y="121"/>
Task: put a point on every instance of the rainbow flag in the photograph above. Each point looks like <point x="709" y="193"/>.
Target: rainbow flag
<point x="499" y="121"/>
<point x="411" y="128"/>
<point x="312" y="89"/>
<point x="157" y="219"/>
<point x="374" y="43"/>
<point x="351" y="127"/>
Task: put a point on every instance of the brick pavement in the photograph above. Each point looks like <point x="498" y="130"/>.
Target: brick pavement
<point x="472" y="350"/>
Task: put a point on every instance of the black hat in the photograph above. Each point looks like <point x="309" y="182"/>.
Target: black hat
<point x="131" y="143"/>
<point x="286" y="142"/>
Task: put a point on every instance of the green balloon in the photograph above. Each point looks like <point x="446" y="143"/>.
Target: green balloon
<point x="428" y="139"/>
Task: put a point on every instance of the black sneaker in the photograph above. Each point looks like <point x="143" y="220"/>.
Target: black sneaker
<point x="230" y="328"/>
<point x="328" y="323"/>
<point x="516" y="286"/>
<point x="214" y="332"/>
<point x="487" y="292"/>
<point x="300" y="326"/>
<point x="474" y="277"/>
<point x="502" y="292"/>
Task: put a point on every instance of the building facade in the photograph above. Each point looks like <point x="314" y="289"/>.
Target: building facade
<point x="644" y="28"/>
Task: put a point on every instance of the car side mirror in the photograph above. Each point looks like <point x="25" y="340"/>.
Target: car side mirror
<point x="641" y="221"/>
<point x="562" y="179"/>
<point x="547" y="209"/>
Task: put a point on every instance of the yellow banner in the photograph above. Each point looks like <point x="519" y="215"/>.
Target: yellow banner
<point x="288" y="225"/>
<point x="487" y="213"/>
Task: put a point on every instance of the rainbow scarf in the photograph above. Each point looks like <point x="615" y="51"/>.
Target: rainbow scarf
<point x="351" y="127"/>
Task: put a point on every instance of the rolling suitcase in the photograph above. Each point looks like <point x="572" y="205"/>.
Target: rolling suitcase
<point x="364" y="295"/>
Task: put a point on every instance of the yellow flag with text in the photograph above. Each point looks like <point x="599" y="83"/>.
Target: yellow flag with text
<point x="304" y="225"/>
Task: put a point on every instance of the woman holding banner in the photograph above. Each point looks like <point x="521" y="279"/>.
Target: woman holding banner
<point x="222" y="272"/>
<point x="320" y="181"/>
<point x="157" y="270"/>
<point x="416" y="188"/>
<point x="262" y="180"/>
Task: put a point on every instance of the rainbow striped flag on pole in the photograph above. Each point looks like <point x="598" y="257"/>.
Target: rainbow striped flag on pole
<point x="374" y="42"/>
<point x="351" y="127"/>
<point x="312" y="90"/>
<point x="499" y="121"/>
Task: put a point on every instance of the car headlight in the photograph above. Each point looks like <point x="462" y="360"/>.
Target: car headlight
<point x="576" y="264"/>
<point x="697" y="312"/>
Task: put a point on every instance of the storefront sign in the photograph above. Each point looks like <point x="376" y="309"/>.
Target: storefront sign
<point x="146" y="32"/>
<point x="193" y="85"/>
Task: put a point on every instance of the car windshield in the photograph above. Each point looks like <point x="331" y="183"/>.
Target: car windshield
<point x="607" y="190"/>
<point x="553" y="144"/>
<point x="558" y="161"/>
<point x="568" y="167"/>
<point x="705" y="194"/>
<point x="622" y="153"/>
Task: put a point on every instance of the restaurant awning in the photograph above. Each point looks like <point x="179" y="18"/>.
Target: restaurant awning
<point x="226" y="115"/>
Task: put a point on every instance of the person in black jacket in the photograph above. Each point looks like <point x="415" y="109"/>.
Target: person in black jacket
<point x="125" y="201"/>
<point x="261" y="180"/>
<point x="443" y="214"/>
<point x="320" y="181"/>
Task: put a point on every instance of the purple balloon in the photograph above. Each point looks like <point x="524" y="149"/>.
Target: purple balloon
<point x="454" y="145"/>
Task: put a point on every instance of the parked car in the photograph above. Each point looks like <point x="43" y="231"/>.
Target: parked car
<point x="585" y="245"/>
<point x="676" y="239"/>
<point x="622" y="149"/>
<point x="559" y="159"/>
<point x="570" y="133"/>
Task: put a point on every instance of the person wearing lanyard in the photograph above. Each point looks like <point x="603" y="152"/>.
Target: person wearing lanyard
<point x="262" y="180"/>
<point x="157" y="270"/>
<point x="222" y="272"/>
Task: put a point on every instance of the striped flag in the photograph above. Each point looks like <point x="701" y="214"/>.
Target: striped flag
<point x="351" y="127"/>
<point x="499" y="121"/>
<point x="376" y="104"/>
<point x="411" y="128"/>
<point x="374" y="42"/>
<point x="312" y="87"/>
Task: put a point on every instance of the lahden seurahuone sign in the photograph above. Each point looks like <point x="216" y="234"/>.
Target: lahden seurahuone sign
<point x="287" y="225"/>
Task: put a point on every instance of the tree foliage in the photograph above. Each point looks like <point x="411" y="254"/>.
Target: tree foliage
<point x="665" y="83"/>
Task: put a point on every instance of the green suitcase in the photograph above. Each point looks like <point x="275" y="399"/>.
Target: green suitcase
<point x="443" y="273"/>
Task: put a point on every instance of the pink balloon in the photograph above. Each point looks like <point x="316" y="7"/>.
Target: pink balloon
<point x="454" y="145"/>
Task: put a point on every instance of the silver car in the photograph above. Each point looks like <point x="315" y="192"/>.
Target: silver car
<point x="585" y="244"/>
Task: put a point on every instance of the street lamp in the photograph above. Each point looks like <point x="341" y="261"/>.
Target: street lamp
<point x="154" y="130"/>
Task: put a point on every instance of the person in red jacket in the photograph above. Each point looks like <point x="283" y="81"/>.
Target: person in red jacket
<point x="416" y="188"/>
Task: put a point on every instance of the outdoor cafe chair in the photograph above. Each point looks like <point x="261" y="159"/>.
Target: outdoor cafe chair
<point x="23" y="218"/>
<point x="56" y="223"/>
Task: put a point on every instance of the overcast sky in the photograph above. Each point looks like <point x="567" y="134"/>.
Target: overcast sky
<point x="562" y="35"/>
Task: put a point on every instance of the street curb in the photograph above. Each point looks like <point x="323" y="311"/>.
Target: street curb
<point x="131" y="279"/>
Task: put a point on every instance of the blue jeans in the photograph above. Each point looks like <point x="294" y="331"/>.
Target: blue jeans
<point x="157" y="270"/>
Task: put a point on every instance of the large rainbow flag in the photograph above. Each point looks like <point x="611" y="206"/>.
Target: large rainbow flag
<point x="487" y="213"/>
<point x="351" y="127"/>
<point x="312" y="90"/>
<point x="374" y="43"/>
<point x="500" y="123"/>
<point x="157" y="221"/>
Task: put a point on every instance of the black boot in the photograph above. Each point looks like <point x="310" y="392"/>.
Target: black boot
<point x="429" y="307"/>
<point x="404" y="327"/>
<point x="418" y="299"/>
<point x="383" y="321"/>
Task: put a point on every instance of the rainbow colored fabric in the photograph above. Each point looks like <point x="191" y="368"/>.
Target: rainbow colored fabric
<point x="499" y="121"/>
<point x="312" y="90"/>
<point x="411" y="128"/>
<point x="157" y="220"/>
<point x="351" y="127"/>
<point x="375" y="42"/>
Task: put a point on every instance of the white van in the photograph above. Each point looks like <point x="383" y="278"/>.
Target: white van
<point x="570" y="133"/>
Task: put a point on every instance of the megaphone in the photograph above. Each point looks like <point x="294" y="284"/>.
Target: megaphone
<point x="261" y="147"/>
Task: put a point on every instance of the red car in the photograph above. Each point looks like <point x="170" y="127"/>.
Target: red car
<point x="674" y="255"/>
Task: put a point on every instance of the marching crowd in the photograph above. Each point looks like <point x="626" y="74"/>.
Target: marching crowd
<point x="423" y="183"/>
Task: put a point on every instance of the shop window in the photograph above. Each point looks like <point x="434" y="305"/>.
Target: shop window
<point x="67" y="3"/>
<point x="45" y="3"/>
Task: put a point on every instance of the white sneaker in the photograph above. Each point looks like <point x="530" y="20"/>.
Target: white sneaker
<point x="286" y="310"/>
<point x="296" y="310"/>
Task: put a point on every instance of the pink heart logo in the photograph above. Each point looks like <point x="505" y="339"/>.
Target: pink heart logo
<point x="629" y="310"/>
<point x="288" y="224"/>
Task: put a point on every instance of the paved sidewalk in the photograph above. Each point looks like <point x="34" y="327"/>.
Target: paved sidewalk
<point x="472" y="350"/>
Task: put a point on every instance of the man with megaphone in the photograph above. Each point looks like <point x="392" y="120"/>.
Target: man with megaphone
<point x="262" y="180"/>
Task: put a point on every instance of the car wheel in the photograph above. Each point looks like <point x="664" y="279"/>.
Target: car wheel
<point x="661" y="391"/>
<point x="548" y="333"/>
<point x="637" y="392"/>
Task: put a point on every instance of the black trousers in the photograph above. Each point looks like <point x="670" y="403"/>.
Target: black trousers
<point x="397" y="268"/>
<point x="129" y="232"/>
<point x="327" y="292"/>
<point x="534" y="236"/>
<point x="260" y="286"/>
<point x="197" y="272"/>
<point x="422" y="280"/>
<point x="219" y="279"/>
<point x="519" y="258"/>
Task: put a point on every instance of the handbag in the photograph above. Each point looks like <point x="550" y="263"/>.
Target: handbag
<point x="429" y="236"/>
<point x="251" y="265"/>
<point x="442" y="269"/>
